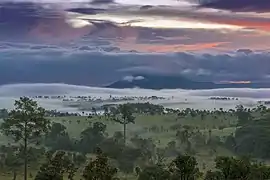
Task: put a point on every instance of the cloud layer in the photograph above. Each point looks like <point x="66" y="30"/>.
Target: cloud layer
<point x="239" y="5"/>
<point x="97" y="42"/>
<point x="84" y="65"/>
<point x="129" y="27"/>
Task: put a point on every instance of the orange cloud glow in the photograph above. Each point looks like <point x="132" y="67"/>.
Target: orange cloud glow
<point x="252" y="21"/>
<point x="165" y="48"/>
<point x="265" y="26"/>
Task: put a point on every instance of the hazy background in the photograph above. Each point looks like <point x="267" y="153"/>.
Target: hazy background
<point x="181" y="98"/>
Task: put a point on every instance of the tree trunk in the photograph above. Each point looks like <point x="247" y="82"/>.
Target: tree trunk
<point x="14" y="175"/>
<point x="125" y="129"/>
<point x="25" y="159"/>
<point x="25" y="150"/>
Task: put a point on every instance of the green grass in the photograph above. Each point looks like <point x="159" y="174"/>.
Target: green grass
<point x="147" y="121"/>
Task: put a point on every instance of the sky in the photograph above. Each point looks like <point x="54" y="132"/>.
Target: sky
<point x="210" y="40"/>
<point x="173" y="25"/>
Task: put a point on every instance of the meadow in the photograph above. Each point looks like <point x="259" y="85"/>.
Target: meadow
<point x="208" y="128"/>
<point x="221" y="126"/>
<point x="149" y="126"/>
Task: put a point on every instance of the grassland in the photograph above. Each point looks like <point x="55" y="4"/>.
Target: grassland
<point x="75" y="125"/>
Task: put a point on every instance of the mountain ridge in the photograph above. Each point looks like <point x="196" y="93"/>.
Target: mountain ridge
<point x="176" y="82"/>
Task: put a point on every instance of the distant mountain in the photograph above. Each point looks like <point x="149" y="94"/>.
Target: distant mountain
<point x="161" y="82"/>
<point x="176" y="82"/>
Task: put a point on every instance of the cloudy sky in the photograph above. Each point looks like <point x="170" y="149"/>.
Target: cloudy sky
<point x="104" y="40"/>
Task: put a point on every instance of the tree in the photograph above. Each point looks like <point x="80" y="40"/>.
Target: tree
<point x="137" y="170"/>
<point x="243" y="116"/>
<point x="262" y="109"/>
<point x="24" y="124"/>
<point x="183" y="135"/>
<point x="94" y="111"/>
<point x="3" y="113"/>
<point x="253" y="139"/>
<point x="125" y="111"/>
<point x="92" y="137"/>
<point x="216" y="175"/>
<point x="14" y="161"/>
<point x="155" y="172"/>
<point x="99" y="168"/>
<point x="57" y="129"/>
<point x="238" y="168"/>
<point x="184" y="167"/>
<point x="106" y="111"/>
<point x="79" y="158"/>
<point x="57" y="164"/>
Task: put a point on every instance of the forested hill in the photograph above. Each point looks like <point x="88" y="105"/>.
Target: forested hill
<point x="176" y="82"/>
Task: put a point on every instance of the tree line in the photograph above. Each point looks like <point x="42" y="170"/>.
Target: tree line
<point x="38" y="140"/>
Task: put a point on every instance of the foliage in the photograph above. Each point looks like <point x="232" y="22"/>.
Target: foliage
<point x="185" y="168"/>
<point x="55" y="167"/>
<point x="91" y="137"/>
<point x="14" y="160"/>
<point x="252" y="139"/>
<point x="242" y="115"/>
<point x="58" y="138"/>
<point x="25" y="123"/>
<point x="99" y="168"/>
<point x="154" y="172"/>
<point x="125" y="112"/>
<point x="146" y="108"/>
<point x="214" y="175"/>
<point x="126" y="159"/>
<point x="148" y="155"/>
<point x="238" y="168"/>
<point x="3" y="113"/>
<point x="125" y="156"/>
<point x="57" y="130"/>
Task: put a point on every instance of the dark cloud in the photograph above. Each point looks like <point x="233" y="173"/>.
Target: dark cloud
<point x="146" y="7"/>
<point x="239" y="5"/>
<point x="84" y="66"/>
<point x="245" y="51"/>
<point x="57" y="66"/>
<point x="39" y="22"/>
<point x="89" y="11"/>
<point x="102" y="1"/>
<point x="17" y="19"/>
<point x="36" y="22"/>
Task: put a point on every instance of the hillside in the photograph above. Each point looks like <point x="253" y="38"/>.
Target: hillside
<point x="176" y="82"/>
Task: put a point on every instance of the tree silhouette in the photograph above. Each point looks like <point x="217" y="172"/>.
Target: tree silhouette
<point x="94" y="111"/>
<point x="25" y="124"/>
<point x="106" y="111"/>
<point x="126" y="117"/>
